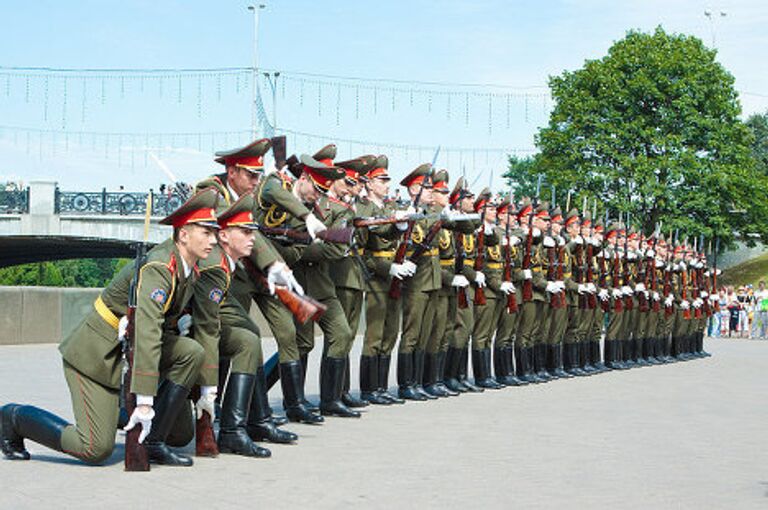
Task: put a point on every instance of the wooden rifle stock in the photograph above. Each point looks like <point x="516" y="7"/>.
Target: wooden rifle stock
<point x="589" y="276"/>
<point x="554" y="299"/>
<point x="480" y="299"/>
<point x="462" y="299"/>
<point x="528" y="283"/>
<point x="654" y="281"/>
<point x="511" y="297"/>
<point x="605" y="304"/>
<point x="205" y="440"/>
<point x="331" y="235"/>
<point x="303" y="308"/>
<point x="684" y="284"/>
<point x="136" y="458"/>
<point x="617" y="301"/>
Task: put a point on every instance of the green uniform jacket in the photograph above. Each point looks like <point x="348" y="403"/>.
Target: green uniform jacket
<point x="312" y="270"/>
<point x="210" y="291"/>
<point x="346" y="272"/>
<point x="380" y="244"/>
<point x="162" y="294"/>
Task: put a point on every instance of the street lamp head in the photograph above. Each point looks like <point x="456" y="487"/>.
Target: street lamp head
<point x="707" y="13"/>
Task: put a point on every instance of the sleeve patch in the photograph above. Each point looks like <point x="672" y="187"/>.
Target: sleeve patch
<point x="216" y="295"/>
<point x="159" y="296"/>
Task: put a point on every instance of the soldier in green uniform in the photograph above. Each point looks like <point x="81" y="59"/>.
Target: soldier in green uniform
<point x="614" y="283"/>
<point x="599" y="268"/>
<point x="588" y="300"/>
<point x="282" y="201"/>
<point x="445" y="300"/>
<point x="347" y="273"/>
<point x="487" y="314"/>
<point x="457" y="356"/>
<point x="225" y="329"/>
<point x="166" y="364"/>
<point x="530" y="367"/>
<point x="244" y="168"/>
<point x="382" y="312"/>
<point x="313" y="272"/>
<point x="418" y="292"/>
<point x="506" y="328"/>
<point x="575" y="291"/>
<point x="558" y="310"/>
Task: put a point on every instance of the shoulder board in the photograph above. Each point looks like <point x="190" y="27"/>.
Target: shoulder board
<point x="172" y="264"/>
<point x="225" y="263"/>
<point x="339" y="202"/>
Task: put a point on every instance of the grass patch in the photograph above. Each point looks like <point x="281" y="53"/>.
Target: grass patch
<point x="751" y="271"/>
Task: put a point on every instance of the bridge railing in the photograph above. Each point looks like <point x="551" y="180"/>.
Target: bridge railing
<point x="123" y="203"/>
<point x="14" y="201"/>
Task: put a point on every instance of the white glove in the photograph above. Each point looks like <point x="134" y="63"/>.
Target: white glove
<point x="488" y="229"/>
<point x="536" y="232"/>
<point x="206" y="402"/>
<point x="578" y="240"/>
<point x="685" y="305"/>
<point x="591" y="288"/>
<point x="399" y="271"/>
<point x="549" y="242"/>
<point x="582" y="289"/>
<point x="681" y="266"/>
<point x="560" y="285"/>
<point x="480" y="279"/>
<point x="141" y="418"/>
<point x="122" y="327"/>
<point x="279" y="274"/>
<point x="527" y="274"/>
<point x="184" y="324"/>
<point x="459" y="281"/>
<point x="650" y="253"/>
<point x="713" y="299"/>
<point x="626" y="290"/>
<point x="410" y="267"/>
<point x="595" y="242"/>
<point x="631" y="255"/>
<point x="616" y="293"/>
<point x="552" y="287"/>
<point x="314" y="225"/>
<point x="704" y="294"/>
<point x="507" y="288"/>
<point x="697" y="303"/>
<point x="603" y="295"/>
<point x="659" y="264"/>
<point x="402" y="225"/>
<point x="640" y="287"/>
<point x="514" y="240"/>
<point x="669" y="300"/>
<point x="656" y="296"/>
<point x="719" y="272"/>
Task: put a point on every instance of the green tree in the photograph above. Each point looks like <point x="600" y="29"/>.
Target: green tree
<point x="758" y="126"/>
<point x="63" y="273"/>
<point x="653" y="128"/>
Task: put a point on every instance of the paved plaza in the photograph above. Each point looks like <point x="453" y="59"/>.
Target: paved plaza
<point x="686" y="435"/>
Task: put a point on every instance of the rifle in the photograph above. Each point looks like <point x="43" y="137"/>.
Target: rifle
<point x="303" y="308"/>
<point x="511" y="297"/>
<point x="669" y="309"/>
<point x="617" y="302"/>
<point x="136" y="458"/>
<point x="626" y="272"/>
<point x="480" y="259"/>
<point x="603" y="270"/>
<point x="590" y="276"/>
<point x="684" y="283"/>
<point x="290" y="235"/>
<point x="528" y="283"/>
<point x="652" y="269"/>
<point x="554" y="299"/>
<point x="714" y="274"/>
<point x="396" y="285"/>
<point x="375" y="221"/>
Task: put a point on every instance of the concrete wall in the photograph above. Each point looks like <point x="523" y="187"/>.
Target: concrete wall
<point x="37" y="315"/>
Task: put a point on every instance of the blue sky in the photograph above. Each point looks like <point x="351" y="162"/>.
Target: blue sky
<point x="515" y="44"/>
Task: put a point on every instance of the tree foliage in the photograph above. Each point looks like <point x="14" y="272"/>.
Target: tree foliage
<point x="758" y="126"/>
<point x="63" y="273"/>
<point x="653" y="128"/>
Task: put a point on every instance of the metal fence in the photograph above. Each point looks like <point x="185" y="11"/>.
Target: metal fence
<point x="14" y="201"/>
<point x="116" y="203"/>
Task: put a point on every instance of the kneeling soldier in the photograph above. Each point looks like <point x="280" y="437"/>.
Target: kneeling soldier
<point x="166" y="364"/>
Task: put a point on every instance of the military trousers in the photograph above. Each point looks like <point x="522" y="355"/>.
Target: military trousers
<point x="574" y="323"/>
<point x="614" y="329"/>
<point x="595" y="330"/>
<point x="486" y="320"/>
<point x="382" y="323"/>
<point x="558" y="324"/>
<point x="530" y="323"/>
<point x="337" y="336"/>
<point x="506" y="331"/>
<point x="465" y="323"/>
<point x="279" y="318"/>
<point x="352" y="303"/>
<point x="444" y="323"/>
<point x="587" y="316"/>
<point x="418" y="317"/>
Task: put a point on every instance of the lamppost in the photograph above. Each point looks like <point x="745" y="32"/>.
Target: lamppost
<point x="254" y="71"/>
<point x="711" y="17"/>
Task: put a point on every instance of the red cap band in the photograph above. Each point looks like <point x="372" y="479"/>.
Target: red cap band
<point x="195" y="216"/>
<point x="236" y="220"/>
